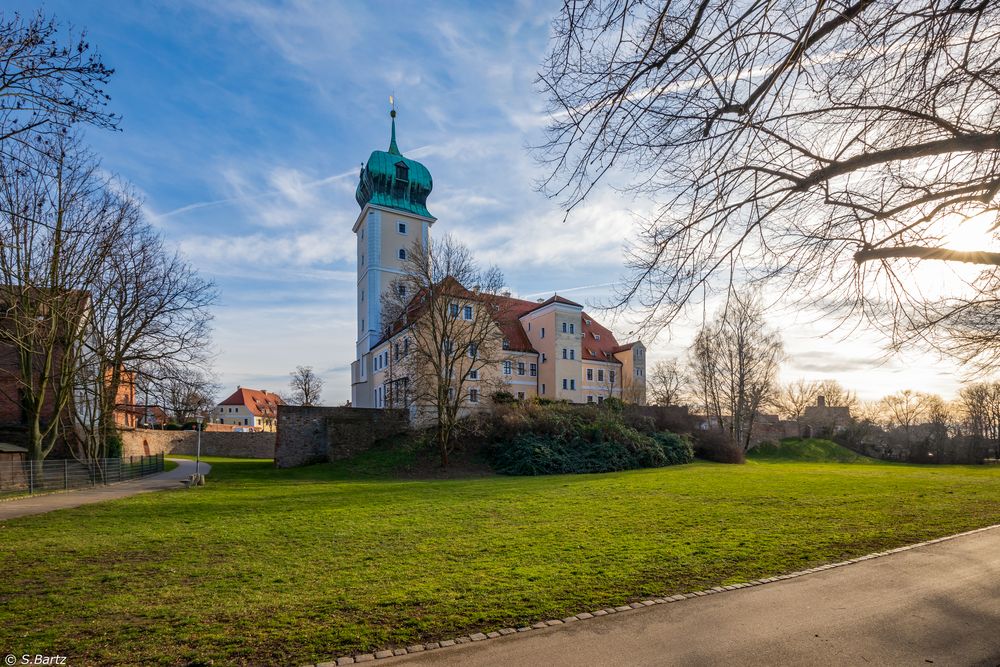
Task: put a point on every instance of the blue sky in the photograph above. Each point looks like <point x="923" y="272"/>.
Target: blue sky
<point x="244" y="126"/>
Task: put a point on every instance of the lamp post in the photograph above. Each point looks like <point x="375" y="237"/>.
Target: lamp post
<point x="199" y="424"/>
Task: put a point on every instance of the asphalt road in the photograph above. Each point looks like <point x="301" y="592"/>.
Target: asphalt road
<point x="936" y="604"/>
<point x="47" y="502"/>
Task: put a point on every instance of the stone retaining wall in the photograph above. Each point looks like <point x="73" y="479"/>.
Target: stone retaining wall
<point x="147" y="442"/>
<point x="315" y="434"/>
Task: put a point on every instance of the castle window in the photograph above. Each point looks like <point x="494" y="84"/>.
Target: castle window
<point x="467" y="313"/>
<point x="572" y="328"/>
<point x="506" y="343"/>
<point x="564" y="327"/>
<point x="533" y="369"/>
<point x="600" y="375"/>
<point x="401" y="226"/>
<point x="507" y="367"/>
<point x="402" y="253"/>
<point x="590" y="374"/>
<point x="402" y="173"/>
<point x="473" y="395"/>
<point x="520" y="395"/>
<point x="520" y="368"/>
<point x="611" y="376"/>
<point x="565" y="383"/>
<point x="453" y="310"/>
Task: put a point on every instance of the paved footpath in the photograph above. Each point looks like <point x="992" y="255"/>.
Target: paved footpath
<point x="47" y="502"/>
<point x="935" y="604"/>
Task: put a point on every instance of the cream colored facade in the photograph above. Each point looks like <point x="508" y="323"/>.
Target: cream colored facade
<point x="556" y="367"/>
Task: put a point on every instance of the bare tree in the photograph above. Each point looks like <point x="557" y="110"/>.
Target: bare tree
<point x="792" y="399"/>
<point x="666" y="383"/>
<point x="150" y="315"/>
<point x="979" y="405"/>
<point x="734" y="361"/>
<point x="448" y="350"/>
<point x="186" y="394"/>
<point x="55" y="227"/>
<point x="48" y="82"/>
<point x="306" y="386"/>
<point x="905" y="409"/>
<point x="833" y="145"/>
<point x="837" y="396"/>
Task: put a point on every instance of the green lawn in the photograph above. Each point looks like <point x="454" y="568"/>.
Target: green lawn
<point x="286" y="567"/>
<point x="816" y="450"/>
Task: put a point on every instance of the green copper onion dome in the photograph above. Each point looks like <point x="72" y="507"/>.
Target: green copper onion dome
<point x="393" y="181"/>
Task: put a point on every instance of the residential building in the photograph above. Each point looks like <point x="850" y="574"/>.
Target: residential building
<point x="824" y="420"/>
<point x="255" y="409"/>
<point x="552" y="348"/>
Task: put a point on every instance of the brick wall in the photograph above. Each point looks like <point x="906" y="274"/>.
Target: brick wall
<point x="315" y="434"/>
<point x="143" y="442"/>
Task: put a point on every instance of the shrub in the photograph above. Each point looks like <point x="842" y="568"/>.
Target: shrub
<point x="502" y="397"/>
<point x="113" y="446"/>
<point x="534" y="439"/>
<point x="714" y="445"/>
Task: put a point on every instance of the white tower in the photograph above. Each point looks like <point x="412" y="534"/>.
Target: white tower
<point x="392" y="193"/>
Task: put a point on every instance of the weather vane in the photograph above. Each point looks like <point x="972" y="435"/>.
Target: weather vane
<point x="392" y="104"/>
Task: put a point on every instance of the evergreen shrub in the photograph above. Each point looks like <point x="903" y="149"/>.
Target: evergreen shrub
<point x="535" y="438"/>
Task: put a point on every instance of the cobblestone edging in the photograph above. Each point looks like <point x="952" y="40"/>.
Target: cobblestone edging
<point x="479" y="636"/>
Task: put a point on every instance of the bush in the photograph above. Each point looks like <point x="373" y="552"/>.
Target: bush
<point x="714" y="445"/>
<point x="535" y="439"/>
<point x="113" y="446"/>
<point x="503" y="397"/>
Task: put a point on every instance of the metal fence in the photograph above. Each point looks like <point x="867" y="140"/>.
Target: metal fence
<point x="28" y="477"/>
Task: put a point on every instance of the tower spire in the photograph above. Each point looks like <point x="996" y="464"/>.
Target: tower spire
<point x="393" y="148"/>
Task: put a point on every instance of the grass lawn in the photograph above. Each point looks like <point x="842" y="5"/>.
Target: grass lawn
<point x="808" y="449"/>
<point x="286" y="567"/>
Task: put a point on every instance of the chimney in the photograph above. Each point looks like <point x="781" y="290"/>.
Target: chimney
<point x="821" y="401"/>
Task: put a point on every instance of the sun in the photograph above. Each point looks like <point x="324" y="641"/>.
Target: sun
<point x="973" y="233"/>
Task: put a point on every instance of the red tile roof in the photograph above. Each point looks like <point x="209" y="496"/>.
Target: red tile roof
<point x="592" y="348"/>
<point x="259" y="402"/>
<point x="509" y="313"/>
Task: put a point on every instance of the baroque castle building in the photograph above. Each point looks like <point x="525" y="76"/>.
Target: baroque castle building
<point x="552" y="347"/>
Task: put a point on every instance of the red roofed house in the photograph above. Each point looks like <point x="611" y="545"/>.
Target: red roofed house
<point x="253" y="409"/>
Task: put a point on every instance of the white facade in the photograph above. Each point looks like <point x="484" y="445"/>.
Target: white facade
<point x="382" y="234"/>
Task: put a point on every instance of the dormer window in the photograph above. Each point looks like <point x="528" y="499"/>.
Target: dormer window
<point x="402" y="172"/>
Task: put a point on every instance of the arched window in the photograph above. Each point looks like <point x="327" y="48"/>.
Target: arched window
<point x="402" y="253"/>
